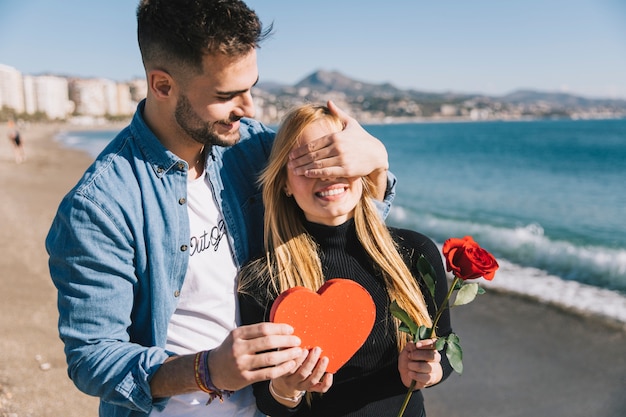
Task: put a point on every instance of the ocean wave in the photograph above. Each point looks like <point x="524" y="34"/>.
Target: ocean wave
<point x="570" y="295"/>
<point x="69" y="139"/>
<point x="91" y="142"/>
<point x="528" y="246"/>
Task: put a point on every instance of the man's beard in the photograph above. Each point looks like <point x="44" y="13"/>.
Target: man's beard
<point x="199" y="130"/>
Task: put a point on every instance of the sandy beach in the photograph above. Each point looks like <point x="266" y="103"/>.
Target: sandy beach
<point x="521" y="358"/>
<point x="33" y="377"/>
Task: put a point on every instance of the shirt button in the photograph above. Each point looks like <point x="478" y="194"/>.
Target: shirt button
<point x="183" y="248"/>
<point x="182" y="200"/>
<point x="181" y="166"/>
<point x="160" y="170"/>
<point x="176" y="293"/>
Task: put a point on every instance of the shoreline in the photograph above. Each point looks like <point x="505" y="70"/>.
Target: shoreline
<point x="573" y="297"/>
<point x="522" y="357"/>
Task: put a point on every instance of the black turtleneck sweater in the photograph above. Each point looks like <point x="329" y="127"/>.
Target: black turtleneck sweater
<point x="369" y="384"/>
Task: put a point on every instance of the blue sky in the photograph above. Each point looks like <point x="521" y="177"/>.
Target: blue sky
<point x="487" y="46"/>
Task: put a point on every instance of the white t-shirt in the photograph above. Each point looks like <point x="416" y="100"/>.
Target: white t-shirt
<point x="207" y="309"/>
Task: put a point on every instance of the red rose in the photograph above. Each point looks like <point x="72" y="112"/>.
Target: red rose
<point x="467" y="260"/>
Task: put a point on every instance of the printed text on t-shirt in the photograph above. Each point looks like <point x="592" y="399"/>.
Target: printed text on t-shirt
<point x="208" y="240"/>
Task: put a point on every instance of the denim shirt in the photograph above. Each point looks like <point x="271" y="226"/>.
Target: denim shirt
<point x="118" y="251"/>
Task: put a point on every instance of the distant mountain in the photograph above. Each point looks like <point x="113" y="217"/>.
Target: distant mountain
<point x="370" y="101"/>
<point x="323" y="81"/>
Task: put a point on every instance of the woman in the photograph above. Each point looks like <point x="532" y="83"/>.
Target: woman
<point x="318" y="229"/>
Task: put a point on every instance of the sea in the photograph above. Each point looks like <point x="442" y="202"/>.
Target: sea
<point x="546" y="197"/>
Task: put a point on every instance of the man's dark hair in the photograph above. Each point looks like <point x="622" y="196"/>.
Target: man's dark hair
<point x="179" y="33"/>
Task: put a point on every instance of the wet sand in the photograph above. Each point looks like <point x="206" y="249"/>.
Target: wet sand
<point x="521" y="358"/>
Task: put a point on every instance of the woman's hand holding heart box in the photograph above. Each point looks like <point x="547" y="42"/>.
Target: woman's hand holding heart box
<point x="338" y="318"/>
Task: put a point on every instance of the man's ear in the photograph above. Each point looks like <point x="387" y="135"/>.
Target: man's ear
<point x="160" y="83"/>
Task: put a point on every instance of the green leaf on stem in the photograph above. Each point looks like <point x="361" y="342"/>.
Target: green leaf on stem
<point x="466" y="294"/>
<point x="454" y="353"/>
<point x="408" y="325"/>
<point x="405" y="329"/>
<point x="440" y="343"/>
<point x="427" y="272"/>
<point x="423" y="333"/>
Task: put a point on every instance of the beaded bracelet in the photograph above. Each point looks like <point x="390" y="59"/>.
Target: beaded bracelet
<point x="203" y="378"/>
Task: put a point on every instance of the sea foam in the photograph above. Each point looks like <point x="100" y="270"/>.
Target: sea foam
<point x="570" y="295"/>
<point x="587" y="280"/>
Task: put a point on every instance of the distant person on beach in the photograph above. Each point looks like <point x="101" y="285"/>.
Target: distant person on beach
<point x="17" y="142"/>
<point x="144" y="250"/>
<point x="322" y="228"/>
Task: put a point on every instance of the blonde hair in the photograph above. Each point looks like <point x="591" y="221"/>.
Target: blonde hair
<point x="291" y="255"/>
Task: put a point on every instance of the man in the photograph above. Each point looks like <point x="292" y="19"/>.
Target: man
<point x="145" y="249"/>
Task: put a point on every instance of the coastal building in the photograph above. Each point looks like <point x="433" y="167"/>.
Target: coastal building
<point x="101" y="97"/>
<point x="138" y="89"/>
<point x="47" y="94"/>
<point x="125" y="104"/>
<point x="62" y="98"/>
<point x="89" y="95"/>
<point x="28" y="94"/>
<point x="11" y="89"/>
<point x="449" y="110"/>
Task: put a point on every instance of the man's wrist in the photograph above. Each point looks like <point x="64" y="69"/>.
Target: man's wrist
<point x="203" y="377"/>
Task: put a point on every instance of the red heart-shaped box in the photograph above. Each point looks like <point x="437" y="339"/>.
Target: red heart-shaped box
<point x="337" y="318"/>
